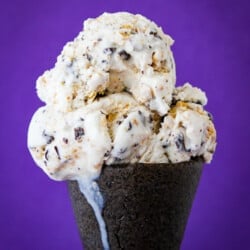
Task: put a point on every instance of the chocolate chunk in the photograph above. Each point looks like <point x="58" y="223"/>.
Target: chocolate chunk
<point x="49" y="138"/>
<point x="174" y="101"/>
<point x="150" y="119"/>
<point x="46" y="155"/>
<point x="142" y="118"/>
<point x="65" y="140"/>
<point x="198" y="102"/>
<point x="107" y="154"/>
<point x="79" y="132"/>
<point x="124" y="55"/>
<point x="57" y="152"/>
<point x="129" y="126"/>
<point x="179" y="142"/>
<point x="210" y="116"/>
<point x="155" y="34"/>
<point x="166" y="144"/>
<point x="88" y="56"/>
<point x="109" y="51"/>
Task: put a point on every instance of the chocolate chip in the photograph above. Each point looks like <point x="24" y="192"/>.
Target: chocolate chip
<point x="88" y="56"/>
<point x="57" y="152"/>
<point x="129" y="126"/>
<point x="46" y="155"/>
<point x="65" y="140"/>
<point x="155" y="34"/>
<point x="109" y="51"/>
<point x="49" y="138"/>
<point x="142" y="118"/>
<point x="179" y="142"/>
<point x="210" y="116"/>
<point x="198" y="102"/>
<point x="150" y="119"/>
<point x="166" y="144"/>
<point x="174" y="101"/>
<point x="107" y="154"/>
<point x="124" y="55"/>
<point x="79" y="132"/>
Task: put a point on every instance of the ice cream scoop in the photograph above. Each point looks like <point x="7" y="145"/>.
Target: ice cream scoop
<point x="111" y="100"/>
<point x="114" y="53"/>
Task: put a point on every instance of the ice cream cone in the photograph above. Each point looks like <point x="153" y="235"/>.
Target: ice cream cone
<point x="146" y="205"/>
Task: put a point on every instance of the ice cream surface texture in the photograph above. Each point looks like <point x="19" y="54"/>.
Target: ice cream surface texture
<point x="111" y="98"/>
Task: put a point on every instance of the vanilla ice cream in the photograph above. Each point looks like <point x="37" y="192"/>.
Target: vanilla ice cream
<point x="111" y="98"/>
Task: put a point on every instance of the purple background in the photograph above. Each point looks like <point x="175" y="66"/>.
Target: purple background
<point x="211" y="51"/>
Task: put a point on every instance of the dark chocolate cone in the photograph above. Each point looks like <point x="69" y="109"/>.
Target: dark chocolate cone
<point x="146" y="205"/>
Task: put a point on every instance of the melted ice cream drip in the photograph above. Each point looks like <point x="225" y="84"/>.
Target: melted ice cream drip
<point x="90" y="190"/>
